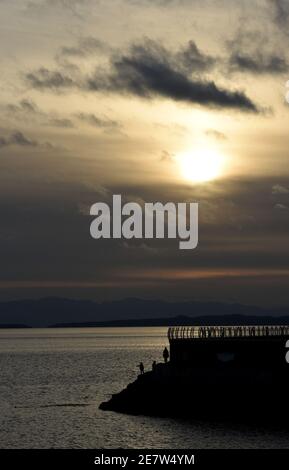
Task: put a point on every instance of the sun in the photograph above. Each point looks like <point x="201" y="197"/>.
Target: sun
<point x="201" y="165"/>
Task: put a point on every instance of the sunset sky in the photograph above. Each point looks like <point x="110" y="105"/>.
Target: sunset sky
<point x="157" y="100"/>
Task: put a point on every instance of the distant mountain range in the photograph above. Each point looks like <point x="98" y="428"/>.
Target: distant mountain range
<point x="133" y="312"/>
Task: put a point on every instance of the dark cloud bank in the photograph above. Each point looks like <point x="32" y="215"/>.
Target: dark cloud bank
<point x="149" y="71"/>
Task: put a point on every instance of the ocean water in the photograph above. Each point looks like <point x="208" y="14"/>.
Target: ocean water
<point x="53" y="380"/>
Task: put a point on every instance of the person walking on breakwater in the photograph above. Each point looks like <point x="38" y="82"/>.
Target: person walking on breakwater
<point x="166" y="354"/>
<point x="154" y="365"/>
<point x="141" y="368"/>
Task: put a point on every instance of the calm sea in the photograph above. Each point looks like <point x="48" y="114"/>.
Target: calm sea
<point x="53" y="380"/>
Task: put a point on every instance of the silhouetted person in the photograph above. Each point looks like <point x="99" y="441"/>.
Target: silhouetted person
<point x="141" y="368"/>
<point x="154" y="365"/>
<point x="166" y="354"/>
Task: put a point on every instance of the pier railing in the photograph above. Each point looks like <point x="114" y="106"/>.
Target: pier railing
<point x="210" y="332"/>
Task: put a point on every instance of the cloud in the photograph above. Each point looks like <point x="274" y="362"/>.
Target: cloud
<point x="74" y="7"/>
<point x="25" y="105"/>
<point x="281" y="12"/>
<point x="49" y="79"/>
<point x="166" y="157"/>
<point x="150" y="71"/>
<point x="28" y="109"/>
<point x="192" y="59"/>
<point x="96" y="121"/>
<point x="251" y="52"/>
<point x="18" y="138"/>
<point x="279" y="189"/>
<point x="61" y="122"/>
<point x="85" y="46"/>
<point x="259" y="63"/>
<point x="216" y="134"/>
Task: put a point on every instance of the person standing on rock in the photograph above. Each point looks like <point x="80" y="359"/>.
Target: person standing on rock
<point x="141" y="368"/>
<point x="166" y="354"/>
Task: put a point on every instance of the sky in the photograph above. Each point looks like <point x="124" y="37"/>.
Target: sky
<point x="164" y="100"/>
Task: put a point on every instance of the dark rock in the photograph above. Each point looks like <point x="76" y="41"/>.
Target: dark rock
<point x="244" y="395"/>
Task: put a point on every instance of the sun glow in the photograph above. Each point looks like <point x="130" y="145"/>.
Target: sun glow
<point x="201" y="165"/>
